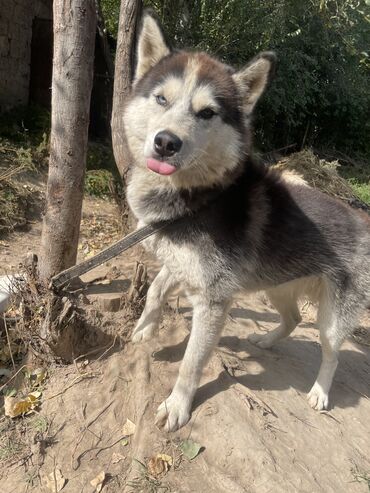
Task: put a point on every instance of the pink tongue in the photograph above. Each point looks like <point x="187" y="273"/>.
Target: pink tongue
<point x="160" y="167"/>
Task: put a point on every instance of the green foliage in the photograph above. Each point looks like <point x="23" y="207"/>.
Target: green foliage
<point x="102" y="176"/>
<point x="358" y="176"/>
<point x="25" y="124"/>
<point x="18" y="200"/>
<point x="100" y="156"/>
<point x="320" y="96"/>
<point x="98" y="182"/>
<point x="110" y="10"/>
<point x="362" y="190"/>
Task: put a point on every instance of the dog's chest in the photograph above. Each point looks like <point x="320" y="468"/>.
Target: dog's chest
<point x="184" y="260"/>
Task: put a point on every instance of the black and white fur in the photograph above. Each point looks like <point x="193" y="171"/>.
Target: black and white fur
<point x="242" y="226"/>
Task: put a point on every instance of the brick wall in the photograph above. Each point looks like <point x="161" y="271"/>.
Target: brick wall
<point x="16" y="17"/>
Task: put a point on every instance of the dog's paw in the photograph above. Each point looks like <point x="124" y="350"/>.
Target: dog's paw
<point x="173" y="413"/>
<point x="143" y="334"/>
<point x="317" y="398"/>
<point x="263" y="341"/>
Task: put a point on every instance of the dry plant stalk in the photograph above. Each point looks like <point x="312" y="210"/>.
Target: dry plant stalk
<point x="320" y="174"/>
<point x="135" y="298"/>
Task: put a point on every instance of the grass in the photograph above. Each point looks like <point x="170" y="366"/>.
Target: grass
<point x="32" y="478"/>
<point x="145" y="483"/>
<point x="18" y="198"/>
<point x="361" y="476"/>
<point x="102" y="178"/>
<point x="362" y="190"/>
<point x="40" y="424"/>
<point x="99" y="183"/>
<point x="358" y="176"/>
<point x="9" y="448"/>
<point x="341" y="179"/>
<point x="11" y="442"/>
<point x="24" y="151"/>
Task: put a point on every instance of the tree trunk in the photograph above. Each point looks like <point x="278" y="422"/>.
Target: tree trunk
<point x="74" y="42"/>
<point x="130" y="14"/>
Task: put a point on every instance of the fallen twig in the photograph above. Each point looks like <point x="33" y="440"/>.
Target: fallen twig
<point x="251" y="399"/>
<point x="75" y="380"/>
<point x="8" y="340"/>
<point x="108" y="349"/>
<point x="92" y="420"/>
<point x="96" y="350"/>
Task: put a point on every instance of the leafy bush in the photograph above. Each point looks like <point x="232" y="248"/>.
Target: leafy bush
<point x="100" y="155"/>
<point x="321" y="93"/>
<point x="25" y="124"/>
<point x="98" y="182"/>
<point x="18" y="199"/>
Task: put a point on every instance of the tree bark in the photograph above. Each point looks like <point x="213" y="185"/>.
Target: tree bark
<point x="130" y="14"/>
<point x="74" y="42"/>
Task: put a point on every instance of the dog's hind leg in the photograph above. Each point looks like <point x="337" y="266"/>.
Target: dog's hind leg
<point x="157" y="294"/>
<point x="208" y="321"/>
<point x="337" y="315"/>
<point x="284" y="299"/>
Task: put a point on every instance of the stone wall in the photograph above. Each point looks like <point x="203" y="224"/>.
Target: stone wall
<point x="16" y="17"/>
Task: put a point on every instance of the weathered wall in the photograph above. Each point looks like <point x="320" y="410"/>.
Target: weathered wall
<point x="16" y="17"/>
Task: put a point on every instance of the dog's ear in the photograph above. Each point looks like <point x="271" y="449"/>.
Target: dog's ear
<point x="151" y="46"/>
<point x="253" y="79"/>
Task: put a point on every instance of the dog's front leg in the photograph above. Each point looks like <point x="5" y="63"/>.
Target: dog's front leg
<point x="208" y="321"/>
<point x="157" y="294"/>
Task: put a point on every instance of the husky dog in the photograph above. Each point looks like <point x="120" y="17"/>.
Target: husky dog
<point x="239" y="225"/>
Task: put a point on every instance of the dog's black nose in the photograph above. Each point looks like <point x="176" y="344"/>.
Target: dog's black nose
<point x="166" y="143"/>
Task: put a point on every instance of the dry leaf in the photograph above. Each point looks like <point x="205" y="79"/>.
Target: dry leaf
<point x="55" y="481"/>
<point x="38" y="376"/>
<point x="9" y="402"/>
<point x="128" y="428"/>
<point x="116" y="457"/>
<point x="166" y="458"/>
<point x="15" y="407"/>
<point x="12" y="313"/>
<point x="159" y="465"/>
<point x="98" y="482"/>
<point x="34" y="396"/>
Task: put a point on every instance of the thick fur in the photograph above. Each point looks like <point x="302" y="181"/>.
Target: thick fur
<point x="240" y="226"/>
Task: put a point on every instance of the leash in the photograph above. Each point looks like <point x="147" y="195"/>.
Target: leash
<point x="64" y="277"/>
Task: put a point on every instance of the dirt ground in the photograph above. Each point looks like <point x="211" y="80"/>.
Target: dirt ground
<point x="256" y="430"/>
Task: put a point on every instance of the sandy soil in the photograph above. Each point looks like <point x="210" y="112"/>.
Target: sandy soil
<point x="257" y="432"/>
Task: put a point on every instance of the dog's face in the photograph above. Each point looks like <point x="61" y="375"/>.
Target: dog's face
<point x="188" y="116"/>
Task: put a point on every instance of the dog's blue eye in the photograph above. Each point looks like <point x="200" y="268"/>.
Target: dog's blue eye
<point x="161" y="100"/>
<point x="206" y="114"/>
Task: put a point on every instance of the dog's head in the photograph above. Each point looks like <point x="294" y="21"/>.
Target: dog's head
<point x="188" y="116"/>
